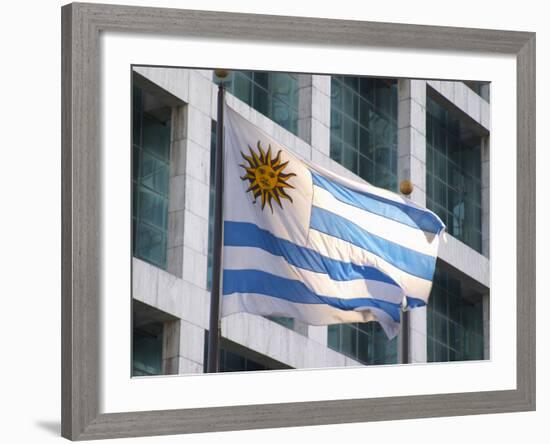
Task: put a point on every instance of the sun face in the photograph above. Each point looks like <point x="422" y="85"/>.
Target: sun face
<point x="266" y="176"/>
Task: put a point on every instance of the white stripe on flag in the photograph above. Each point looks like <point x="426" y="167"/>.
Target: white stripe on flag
<point x="362" y="186"/>
<point x="405" y="235"/>
<point x="341" y="250"/>
<point x="250" y="258"/>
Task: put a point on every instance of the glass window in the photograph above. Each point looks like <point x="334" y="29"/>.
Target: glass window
<point x="363" y="138"/>
<point x="364" y="342"/>
<point x="147" y="340"/>
<point x="147" y="350"/>
<point x="363" y="130"/>
<point x="150" y="336"/>
<point x="453" y="174"/>
<point x="234" y="362"/>
<point x="273" y="94"/>
<point x="234" y="358"/>
<point x="150" y="181"/>
<point x="284" y="321"/>
<point x="455" y="324"/>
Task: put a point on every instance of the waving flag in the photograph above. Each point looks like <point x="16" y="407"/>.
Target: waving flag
<point x="302" y="242"/>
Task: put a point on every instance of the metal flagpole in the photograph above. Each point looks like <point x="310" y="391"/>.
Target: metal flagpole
<point x="214" y="329"/>
<point x="406" y="188"/>
<point x="405" y="336"/>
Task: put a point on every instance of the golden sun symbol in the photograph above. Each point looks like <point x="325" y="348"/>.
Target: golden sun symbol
<point x="266" y="176"/>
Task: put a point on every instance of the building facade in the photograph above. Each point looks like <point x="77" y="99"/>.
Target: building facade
<point x="434" y="133"/>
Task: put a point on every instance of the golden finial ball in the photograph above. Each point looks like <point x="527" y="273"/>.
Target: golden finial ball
<point x="406" y="187"/>
<point x="221" y="73"/>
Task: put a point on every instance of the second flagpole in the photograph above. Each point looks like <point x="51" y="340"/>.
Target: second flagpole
<point x="214" y="332"/>
<point x="406" y="188"/>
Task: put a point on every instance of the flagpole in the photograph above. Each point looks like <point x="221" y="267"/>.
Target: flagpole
<point x="406" y="188"/>
<point x="214" y="331"/>
<point x="405" y="336"/>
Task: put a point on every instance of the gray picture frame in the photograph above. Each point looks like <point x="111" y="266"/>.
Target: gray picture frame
<point x="81" y="172"/>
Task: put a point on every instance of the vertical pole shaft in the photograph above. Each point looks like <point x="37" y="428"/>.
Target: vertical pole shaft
<point x="214" y="330"/>
<point x="405" y="337"/>
<point x="406" y="188"/>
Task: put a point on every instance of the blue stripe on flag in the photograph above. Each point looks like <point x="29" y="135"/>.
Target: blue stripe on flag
<point x="397" y="211"/>
<point x="410" y="261"/>
<point x="415" y="302"/>
<point x="245" y="234"/>
<point x="260" y="282"/>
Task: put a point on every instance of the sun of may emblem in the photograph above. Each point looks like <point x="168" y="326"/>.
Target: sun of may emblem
<point x="266" y="176"/>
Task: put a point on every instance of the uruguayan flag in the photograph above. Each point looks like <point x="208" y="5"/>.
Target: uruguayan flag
<point x="302" y="242"/>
